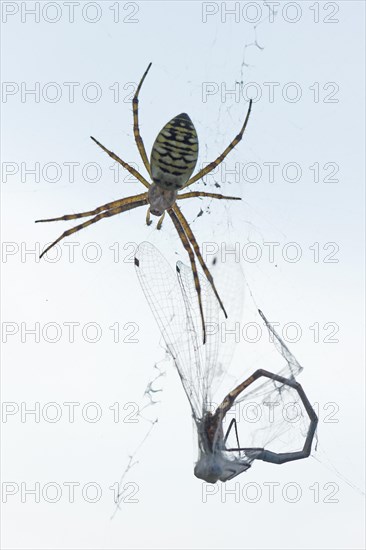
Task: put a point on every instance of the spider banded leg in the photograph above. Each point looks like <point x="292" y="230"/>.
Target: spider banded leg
<point x="185" y="241"/>
<point x="264" y="454"/>
<point x="196" y="248"/>
<point x="106" y="214"/>
<point x="123" y="163"/>
<point x="136" y="129"/>
<point x="219" y="159"/>
<point x="203" y="194"/>
<point x="108" y="206"/>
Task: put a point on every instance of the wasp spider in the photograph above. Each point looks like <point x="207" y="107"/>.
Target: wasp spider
<point x="173" y="159"/>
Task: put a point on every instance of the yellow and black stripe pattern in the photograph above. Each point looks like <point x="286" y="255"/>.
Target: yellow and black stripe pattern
<point x="174" y="153"/>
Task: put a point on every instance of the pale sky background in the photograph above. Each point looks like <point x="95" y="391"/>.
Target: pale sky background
<point x="189" y="44"/>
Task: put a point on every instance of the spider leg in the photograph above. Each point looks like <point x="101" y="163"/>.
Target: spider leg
<point x="160" y="222"/>
<point x="203" y="194"/>
<point x="136" y="129"/>
<point x="196" y="248"/>
<point x="108" y="206"/>
<point x="129" y="168"/>
<point x="149" y="221"/>
<point x="96" y="219"/>
<point x="148" y="218"/>
<point x="185" y="241"/>
<point x="219" y="159"/>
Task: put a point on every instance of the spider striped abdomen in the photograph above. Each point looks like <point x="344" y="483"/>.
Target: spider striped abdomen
<point x="174" y="153"/>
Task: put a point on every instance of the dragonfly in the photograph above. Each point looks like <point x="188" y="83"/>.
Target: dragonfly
<point x="203" y="368"/>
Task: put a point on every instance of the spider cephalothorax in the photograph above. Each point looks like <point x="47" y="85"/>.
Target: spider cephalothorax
<point x="173" y="159"/>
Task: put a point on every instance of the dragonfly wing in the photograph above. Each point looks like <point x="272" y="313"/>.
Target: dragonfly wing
<point x="221" y="334"/>
<point x="163" y="293"/>
<point x="211" y="312"/>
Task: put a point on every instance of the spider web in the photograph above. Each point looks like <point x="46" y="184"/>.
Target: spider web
<point x="149" y="400"/>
